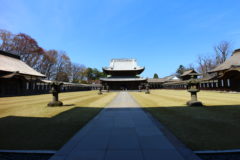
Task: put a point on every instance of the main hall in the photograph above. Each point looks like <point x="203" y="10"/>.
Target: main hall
<point x="123" y="74"/>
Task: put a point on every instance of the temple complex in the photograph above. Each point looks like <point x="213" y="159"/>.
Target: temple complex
<point x="123" y="74"/>
<point x="157" y="83"/>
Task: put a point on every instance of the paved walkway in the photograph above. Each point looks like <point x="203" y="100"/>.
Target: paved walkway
<point x="122" y="131"/>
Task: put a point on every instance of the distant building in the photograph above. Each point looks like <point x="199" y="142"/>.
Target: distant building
<point x="181" y="83"/>
<point x="188" y="74"/>
<point x="156" y="83"/>
<point x="123" y="74"/>
<point x="16" y="77"/>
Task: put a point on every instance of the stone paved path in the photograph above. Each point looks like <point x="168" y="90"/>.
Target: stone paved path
<point x="122" y="131"/>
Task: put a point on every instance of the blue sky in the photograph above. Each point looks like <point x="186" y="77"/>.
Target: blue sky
<point x="160" y="34"/>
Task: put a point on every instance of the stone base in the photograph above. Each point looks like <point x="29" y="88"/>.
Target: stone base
<point x="99" y="93"/>
<point x="56" y="103"/>
<point x="147" y="92"/>
<point x="194" y="103"/>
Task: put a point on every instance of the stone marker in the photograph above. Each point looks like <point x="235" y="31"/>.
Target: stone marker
<point x="147" y="88"/>
<point x="193" y="88"/>
<point x="55" y="89"/>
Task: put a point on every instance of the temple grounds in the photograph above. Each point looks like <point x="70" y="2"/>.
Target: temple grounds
<point x="27" y="123"/>
<point x="212" y="127"/>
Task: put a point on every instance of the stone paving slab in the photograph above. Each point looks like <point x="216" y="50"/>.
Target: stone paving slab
<point x="120" y="131"/>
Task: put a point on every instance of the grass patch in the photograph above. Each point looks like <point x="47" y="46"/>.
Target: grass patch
<point x="27" y="123"/>
<point x="213" y="127"/>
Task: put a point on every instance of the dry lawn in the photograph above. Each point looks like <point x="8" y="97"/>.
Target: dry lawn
<point x="215" y="126"/>
<point x="27" y="123"/>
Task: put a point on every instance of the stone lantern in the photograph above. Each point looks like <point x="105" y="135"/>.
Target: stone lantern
<point x="147" y="88"/>
<point x="107" y="88"/>
<point x="193" y="88"/>
<point x="140" y="88"/>
<point x="100" y="90"/>
<point x="55" y="89"/>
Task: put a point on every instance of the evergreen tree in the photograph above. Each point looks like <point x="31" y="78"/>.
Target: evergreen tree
<point x="155" y="75"/>
<point x="180" y="70"/>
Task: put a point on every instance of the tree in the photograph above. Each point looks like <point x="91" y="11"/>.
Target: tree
<point x="205" y="64"/>
<point x="62" y="76"/>
<point x="190" y="66"/>
<point x="222" y="51"/>
<point x="97" y="74"/>
<point x="28" y="49"/>
<point x="93" y="74"/>
<point x="89" y="74"/>
<point x="6" y="38"/>
<point x="48" y="63"/>
<point x="102" y="75"/>
<point x="82" y="71"/>
<point x="63" y="67"/>
<point x="180" y="70"/>
<point x="155" y="75"/>
<point x="78" y="73"/>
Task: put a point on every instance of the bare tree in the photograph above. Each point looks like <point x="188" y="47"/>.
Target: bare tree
<point x="6" y="38"/>
<point x="78" y="72"/>
<point x="191" y="66"/>
<point x="48" y="63"/>
<point x="63" y="67"/>
<point x="82" y="71"/>
<point x="205" y="64"/>
<point x="222" y="51"/>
